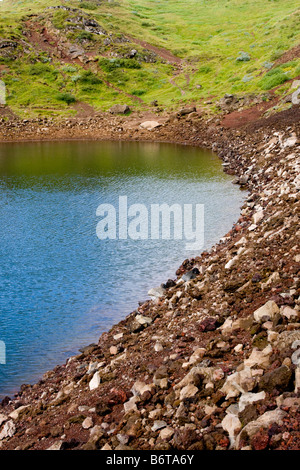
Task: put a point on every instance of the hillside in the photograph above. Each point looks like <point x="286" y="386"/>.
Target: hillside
<point x="73" y="58"/>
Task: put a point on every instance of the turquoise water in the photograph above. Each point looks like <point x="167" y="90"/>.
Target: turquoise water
<point x="60" y="285"/>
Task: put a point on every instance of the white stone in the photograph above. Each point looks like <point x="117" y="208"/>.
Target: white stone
<point x="259" y="358"/>
<point x="233" y="409"/>
<point x="296" y="183"/>
<point x="287" y="338"/>
<point x="290" y="142"/>
<point x="97" y="430"/>
<point x="156" y="292"/>
<point x="272" y="336"/>
<point x="56" y="446"/>
<point x="227" y="325"/>
<point x="8" y="430"/>
<point x="209" y="385"/>
<point x="158" y="347"/>
<point x="160" y="382"/>
<point x="82" y="408"/>
<point x="130" y="405"/>
<point x="92" y="367"/>
<point x="217" y="374"/>
<point x="242" y="241"/>
<point x="158" y="425"/>
<point x="123" y="439"/>
<point x="241" y="250"/>
<point x="289" y="313"/>
<point x="231" y="262"/>
<point x="296" y="357"/>
<point x="15" y="414"/>
<point x="155" y="414"/>
<point x="149" y="125"/>
<point x="106" y="447"/>
<point x="163" y="383"/>
<point x="87" y="423"/>
<point x="113" y="350"/>
<point x="269" y="310"/>
<point x="68" y="388"/>
<point x="195" y="371"/>
<point x="172" y="357"/>
<point x="295" y="344"/>
<point x="209" y="410"/>
<point x="142" y="320"/>
<point x="117" y="359"/>
<point x="239" y="382"/>
<point x="232" y="425"/>
<point x="258" y="216"/>
<point x="95" y="382"/>
<point x="140" y="387"/>
<point x="273" y="278"/>
<point x="166" y="433"/>
<point x="267" y="325"/>
<point x="188" y="391"/>
<point x="118" y="336"/>
<point x="247" y="398"/>
<point x="197" y="354"/>
<point x="297" y="379"/>
<point x="295" y="84"/>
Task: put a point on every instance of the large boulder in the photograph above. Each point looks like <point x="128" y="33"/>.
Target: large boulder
<point x="266" y="312"/>
<point x="186" y="110"/>
<point x="277" y="379"/>
<point x="76" y="51"/>
<point x="119" y="109"/>
<point x="149" y="125"/>
<point x="8" y="49"/>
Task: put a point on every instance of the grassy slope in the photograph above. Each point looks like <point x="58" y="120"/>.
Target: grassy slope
<point x="208" y="35"/>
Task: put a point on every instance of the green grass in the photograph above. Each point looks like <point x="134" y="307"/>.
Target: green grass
<point x="226" y="46"/>
<point x="66" y="98"/>
<point x="111" y="65"/>
<point x="273" y="79"/>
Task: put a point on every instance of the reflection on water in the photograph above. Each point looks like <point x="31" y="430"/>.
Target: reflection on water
<point x="60" y="286"/>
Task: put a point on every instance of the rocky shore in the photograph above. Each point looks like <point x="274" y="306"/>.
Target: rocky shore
<point x="212" y="361"/>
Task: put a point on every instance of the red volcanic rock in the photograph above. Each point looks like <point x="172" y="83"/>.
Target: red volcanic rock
<point x="208" y="324"/>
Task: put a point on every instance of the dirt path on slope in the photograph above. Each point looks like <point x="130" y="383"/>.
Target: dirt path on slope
<point x="160" y="51"/>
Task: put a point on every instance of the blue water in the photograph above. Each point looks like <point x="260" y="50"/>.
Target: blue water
<point x="60" y="286"/>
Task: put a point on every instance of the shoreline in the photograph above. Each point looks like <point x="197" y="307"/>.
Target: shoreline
<point x="160" y="378"/>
